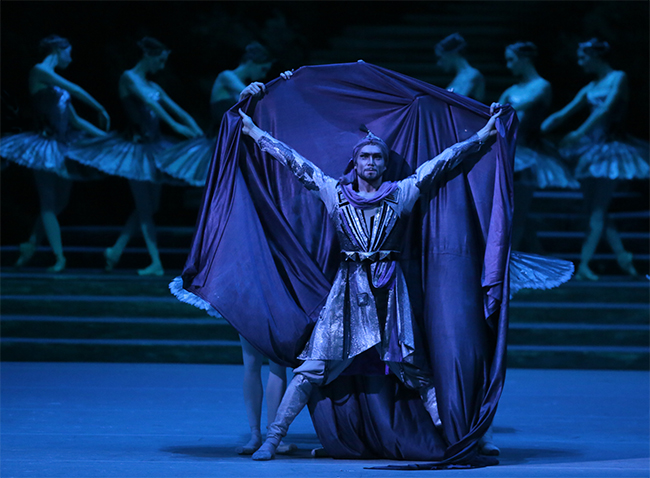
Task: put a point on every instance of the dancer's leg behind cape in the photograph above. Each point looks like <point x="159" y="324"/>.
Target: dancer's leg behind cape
<point x="264" y="253"/>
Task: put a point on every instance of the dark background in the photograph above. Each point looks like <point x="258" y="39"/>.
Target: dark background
<point x="208" y="37"/>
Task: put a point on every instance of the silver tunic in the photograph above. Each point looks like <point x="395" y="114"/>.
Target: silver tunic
<point x="358" y="314"/>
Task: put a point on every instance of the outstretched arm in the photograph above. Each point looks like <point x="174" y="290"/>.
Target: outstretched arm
<point x="82" y="124"/>
<point x="305" y="171"/>
<point x="451" y="157"/>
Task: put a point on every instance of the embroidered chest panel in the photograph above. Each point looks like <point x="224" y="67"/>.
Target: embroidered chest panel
<point x="358" y="232"/>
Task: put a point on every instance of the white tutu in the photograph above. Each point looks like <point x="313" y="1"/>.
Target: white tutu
<point x="622" y="157"/>
<point x="115" y="155"/>
<point x="531" y="271"/>
<point x="38" y="151"/>
<point x="549" y="171"/>
<point x="188" y="160"/>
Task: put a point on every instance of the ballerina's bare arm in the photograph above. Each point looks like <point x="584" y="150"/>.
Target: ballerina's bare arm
<point x="617" y="93"/>
<point x="226" y="85"/>
<point x="49" y="77"/>
<point x="557" y="118"/>
<point x="82" y="124"/>
<point x="179" y="112"/>
<point x="135" y="87"/>
<point x="505" y="96"/>
<point x="311" y="177"/>
<point x="538" y="95"/>
<point x="467" y="87"/>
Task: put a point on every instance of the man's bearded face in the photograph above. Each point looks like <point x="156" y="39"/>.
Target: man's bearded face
<point x="370" y="163"/>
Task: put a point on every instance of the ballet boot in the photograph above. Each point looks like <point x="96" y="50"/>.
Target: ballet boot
<point x="486" y="444"/>
<point x="294" y="400"/>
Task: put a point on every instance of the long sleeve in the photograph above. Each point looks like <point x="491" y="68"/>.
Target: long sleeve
<point x="311" y="177"/>
<point x="411" y="187"/>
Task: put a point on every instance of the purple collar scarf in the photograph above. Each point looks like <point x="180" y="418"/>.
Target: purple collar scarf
<point x="360" y="202"/>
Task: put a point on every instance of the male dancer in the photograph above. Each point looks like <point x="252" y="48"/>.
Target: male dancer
<point x="368" y="304"/>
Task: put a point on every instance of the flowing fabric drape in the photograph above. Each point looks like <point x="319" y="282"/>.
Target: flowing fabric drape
<point x="264" y="252"/>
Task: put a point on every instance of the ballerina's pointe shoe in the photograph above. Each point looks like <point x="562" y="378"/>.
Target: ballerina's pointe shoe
<point x="152" y="270"/>
<point x="584" y="274"/>
<point x="59" y="265"/>
<point x="111" y="259"/>
<point x="626" y="263"/>
<point x="27" y="250"/>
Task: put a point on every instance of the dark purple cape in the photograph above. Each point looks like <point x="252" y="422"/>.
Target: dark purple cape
<point x="264" y="252"/>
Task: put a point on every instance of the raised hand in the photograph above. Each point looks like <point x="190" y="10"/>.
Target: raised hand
<point x="247" y="123"/>
<point x="256" y="88"/>
<point x="496" y="109"/>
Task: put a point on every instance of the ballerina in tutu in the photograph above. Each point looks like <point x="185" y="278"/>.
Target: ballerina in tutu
<point x="44" y="150"/>
<point x="468" y="80"/>
<point x="605" y="155"/>
<point x="536" y="165"/>
<point x="189" y="160"/>
<point x="133" y="156"/>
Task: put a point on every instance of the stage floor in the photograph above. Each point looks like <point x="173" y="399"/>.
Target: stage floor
<point x="88" y="420"/>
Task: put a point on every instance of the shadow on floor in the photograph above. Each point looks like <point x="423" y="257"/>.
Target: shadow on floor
<point x="306" y="442"/>
<point x="518" y="456"/>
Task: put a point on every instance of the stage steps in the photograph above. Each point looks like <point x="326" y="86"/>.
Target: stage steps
<point x="557" y="218"/>
<point x="87" y="315"/>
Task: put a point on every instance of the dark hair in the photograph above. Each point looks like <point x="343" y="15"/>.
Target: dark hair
<point x="452" y="43"/>
<point x="595" y="47"/>
<point x="52" y="43"/>
<point x="523" y="49"/>
<point x="256" y="53"/>
<point x="151" y="46"/>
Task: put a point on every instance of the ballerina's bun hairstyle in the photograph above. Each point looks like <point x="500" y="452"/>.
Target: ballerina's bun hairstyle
<point x="523" y="49"/>
<point x="256" y="53"/>
<point x="152" y="47"/>
<point x="453" y="43"/>
<point x="594" y="47"/>
<point x="52" y="43"/>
